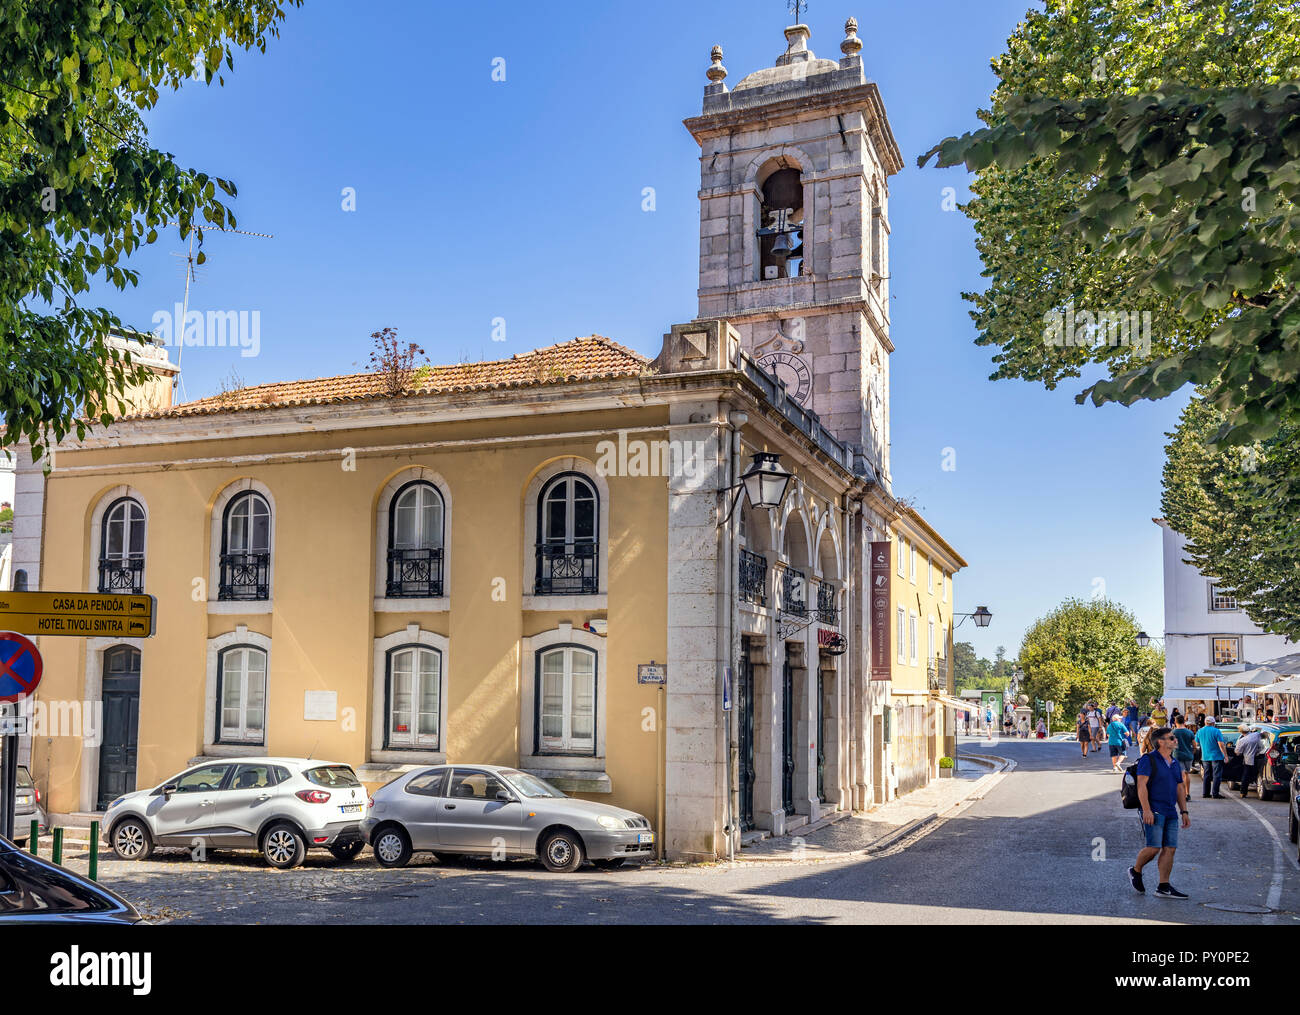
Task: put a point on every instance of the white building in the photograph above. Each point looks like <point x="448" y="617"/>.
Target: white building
<point x="1207" y="634"/>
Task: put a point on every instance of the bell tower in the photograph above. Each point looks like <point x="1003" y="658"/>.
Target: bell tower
<point x="794" y="230"/>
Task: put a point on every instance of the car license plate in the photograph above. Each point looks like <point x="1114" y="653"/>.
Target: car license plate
<point x="23" y="801"/>
<point x="645" y="837"/>
<point x="350" y="808"/>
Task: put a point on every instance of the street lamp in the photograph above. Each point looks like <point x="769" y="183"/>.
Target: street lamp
<point x="982" y="617"/>
<point x="1144" y="639"/>
<point x="764" y="482"/>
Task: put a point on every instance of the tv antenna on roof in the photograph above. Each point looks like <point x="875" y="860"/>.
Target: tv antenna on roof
<point x="797" y="7"/>
<point x="192" y="277"/>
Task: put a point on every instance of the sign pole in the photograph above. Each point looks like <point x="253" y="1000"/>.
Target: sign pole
<point x="10" y="781"/>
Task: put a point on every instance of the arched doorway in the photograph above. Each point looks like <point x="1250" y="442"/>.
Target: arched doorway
<point x="120" y="695"/>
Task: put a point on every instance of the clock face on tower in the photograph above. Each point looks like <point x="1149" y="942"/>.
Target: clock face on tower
<point x="792" y="371"/>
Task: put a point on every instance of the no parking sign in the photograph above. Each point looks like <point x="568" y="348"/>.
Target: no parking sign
<point x="20" y="666"/>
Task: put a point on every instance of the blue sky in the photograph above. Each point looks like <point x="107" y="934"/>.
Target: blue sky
<point x="522" y="200"/>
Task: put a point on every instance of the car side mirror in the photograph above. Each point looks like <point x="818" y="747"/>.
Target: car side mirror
<point x="505" y="797"/>
<point x="167" y="791"/>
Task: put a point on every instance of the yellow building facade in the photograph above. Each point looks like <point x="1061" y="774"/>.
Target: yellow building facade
<point x="923" y="603"/>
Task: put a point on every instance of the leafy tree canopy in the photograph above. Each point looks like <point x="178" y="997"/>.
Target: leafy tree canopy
<point x="1144" y="156"/>
<point x="1087" y="650"/>
<point x="1239" y="509"/>
<point x="81" y="189"/>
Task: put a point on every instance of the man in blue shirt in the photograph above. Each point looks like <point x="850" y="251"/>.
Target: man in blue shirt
<point x="1163" y="798"/>
<point x="1116" y="734"/>
<point x="1211" y="741"/>
<point x="1131" y="719"/>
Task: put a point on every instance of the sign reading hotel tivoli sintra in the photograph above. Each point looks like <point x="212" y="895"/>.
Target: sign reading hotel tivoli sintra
<point x="78" y="614"/>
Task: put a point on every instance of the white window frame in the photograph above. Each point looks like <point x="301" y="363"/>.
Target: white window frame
<point x="902" y="557"/>
<point x="932" y="653"/>
<point x="945" y="580"/>
<point x="241" y="635"/>
<point x="528" y="573"/>
<point x="1225" y="637"/>
<point x="1235" y="607"/>
<point x="900" y="625"/>
<point x="417" y="741"/>
<point x="411" y="635"/>
<point x="929" y="575"/>
<point x="97" y="531"/>
<point x="530" y="756"/>
<point x="567" y="743"/>
<point x="913" y="563"/>
<point x="231" y="735"/>
<point x="913" y="637"/>
<point x="216" y="529"/>
<point x="382" y="603"/>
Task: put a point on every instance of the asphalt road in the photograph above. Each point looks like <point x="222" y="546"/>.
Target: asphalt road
<point x="1048" y="844"/>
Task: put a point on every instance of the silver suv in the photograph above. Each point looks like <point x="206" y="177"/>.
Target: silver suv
<point x="280" y="806"/>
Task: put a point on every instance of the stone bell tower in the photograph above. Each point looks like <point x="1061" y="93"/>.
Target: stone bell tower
<point x="794" y="230"/>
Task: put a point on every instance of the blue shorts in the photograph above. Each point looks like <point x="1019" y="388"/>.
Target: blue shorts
<point x="1116" y="750"/>
<point x="1163" y="833"/>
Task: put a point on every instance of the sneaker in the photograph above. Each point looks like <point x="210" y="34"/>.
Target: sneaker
<point x="1169" y="892"/>
<point x="1218" y="796"/>
<point x="1135" y="876"/>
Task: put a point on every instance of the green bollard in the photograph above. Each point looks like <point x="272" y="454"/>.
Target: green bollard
<point x="94" y="851"/>
<point x="58" y="845"/>
<point x="34" y="840"/>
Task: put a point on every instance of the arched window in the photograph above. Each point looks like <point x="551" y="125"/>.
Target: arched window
<point x="413" y="694"/>
<point x="415" y="543"/>
<point x="246" y="549"/>
<point x="241" y="696"/>
<point x="121" y="548"/>
<point x="565" y="701"/>
<point x="568" y="542"/>
<point x="780" y="232"/>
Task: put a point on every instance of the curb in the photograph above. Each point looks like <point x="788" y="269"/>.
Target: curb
<point x="999" y="769"/>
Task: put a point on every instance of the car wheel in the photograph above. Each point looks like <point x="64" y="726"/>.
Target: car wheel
<point x="131" y="840"/>
<point x="609" y="865"/>
<point x="1292" y="829"/>
<point x="283" y="846"/>
<point x="392" y="847"/>
<point x="1265" y="794"/>
<point x="562" y="852"/>
<point x="347" y="852"/>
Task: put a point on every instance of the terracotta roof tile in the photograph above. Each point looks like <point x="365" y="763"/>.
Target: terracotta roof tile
<point x="582" y="359"/>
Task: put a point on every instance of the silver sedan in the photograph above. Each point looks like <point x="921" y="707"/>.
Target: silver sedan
<point x="487" y="810"/>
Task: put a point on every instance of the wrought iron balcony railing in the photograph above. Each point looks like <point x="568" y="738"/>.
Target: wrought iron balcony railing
<point x="827" y="613"/>
<point x="753" y="578"/>
<point x="567" y="569"/>
<point x="794" y="592"/>
<point x="245" y="577"/>
<point x="415" y="574"/>
<point x="121" y="575"/>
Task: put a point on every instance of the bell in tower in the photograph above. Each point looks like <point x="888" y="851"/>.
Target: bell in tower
<point x="794" y="230"/>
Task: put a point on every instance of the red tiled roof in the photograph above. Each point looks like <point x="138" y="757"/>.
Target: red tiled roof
<point x="582" y="359"/>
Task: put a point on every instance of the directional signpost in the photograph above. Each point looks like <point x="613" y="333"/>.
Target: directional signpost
<point x="78" y="614"/>
<point x="21" y="668"/>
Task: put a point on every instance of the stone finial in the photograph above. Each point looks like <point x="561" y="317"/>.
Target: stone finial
<point x="852" y="45"/>
<point x="797" y="51"/>
<point x="717" y="73"/>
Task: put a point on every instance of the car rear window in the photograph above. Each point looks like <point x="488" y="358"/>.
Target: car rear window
<point x="24" y="779"/>
<point x="333" y="777"/>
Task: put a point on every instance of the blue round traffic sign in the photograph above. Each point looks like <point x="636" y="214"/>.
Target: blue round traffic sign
<point x="20" y="666"/>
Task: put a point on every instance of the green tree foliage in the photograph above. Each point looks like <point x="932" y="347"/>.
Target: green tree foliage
<point x="1238" y="508"/>
<point x="973" y="673"/>
<point x="81" y="189"/>
<point x="1144" y="155"/>
<point x="1087" y="650"/>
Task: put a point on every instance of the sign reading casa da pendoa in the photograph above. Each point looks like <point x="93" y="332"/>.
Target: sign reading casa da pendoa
<point x="78" y="614"/>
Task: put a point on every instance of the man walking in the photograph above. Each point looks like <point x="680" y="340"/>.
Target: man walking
<point x="988" y="721"/>
<point x="1131" y="718"/>
<point x="1185" y="751"/>
<point x="1115" y="735"/>
<point x="1250" y="746"/>
<point x="1163" y="798"/>
<point x="1211" y="742"/>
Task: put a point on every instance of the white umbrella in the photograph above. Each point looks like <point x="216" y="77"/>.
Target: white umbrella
<point x="1291" y="685"/>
